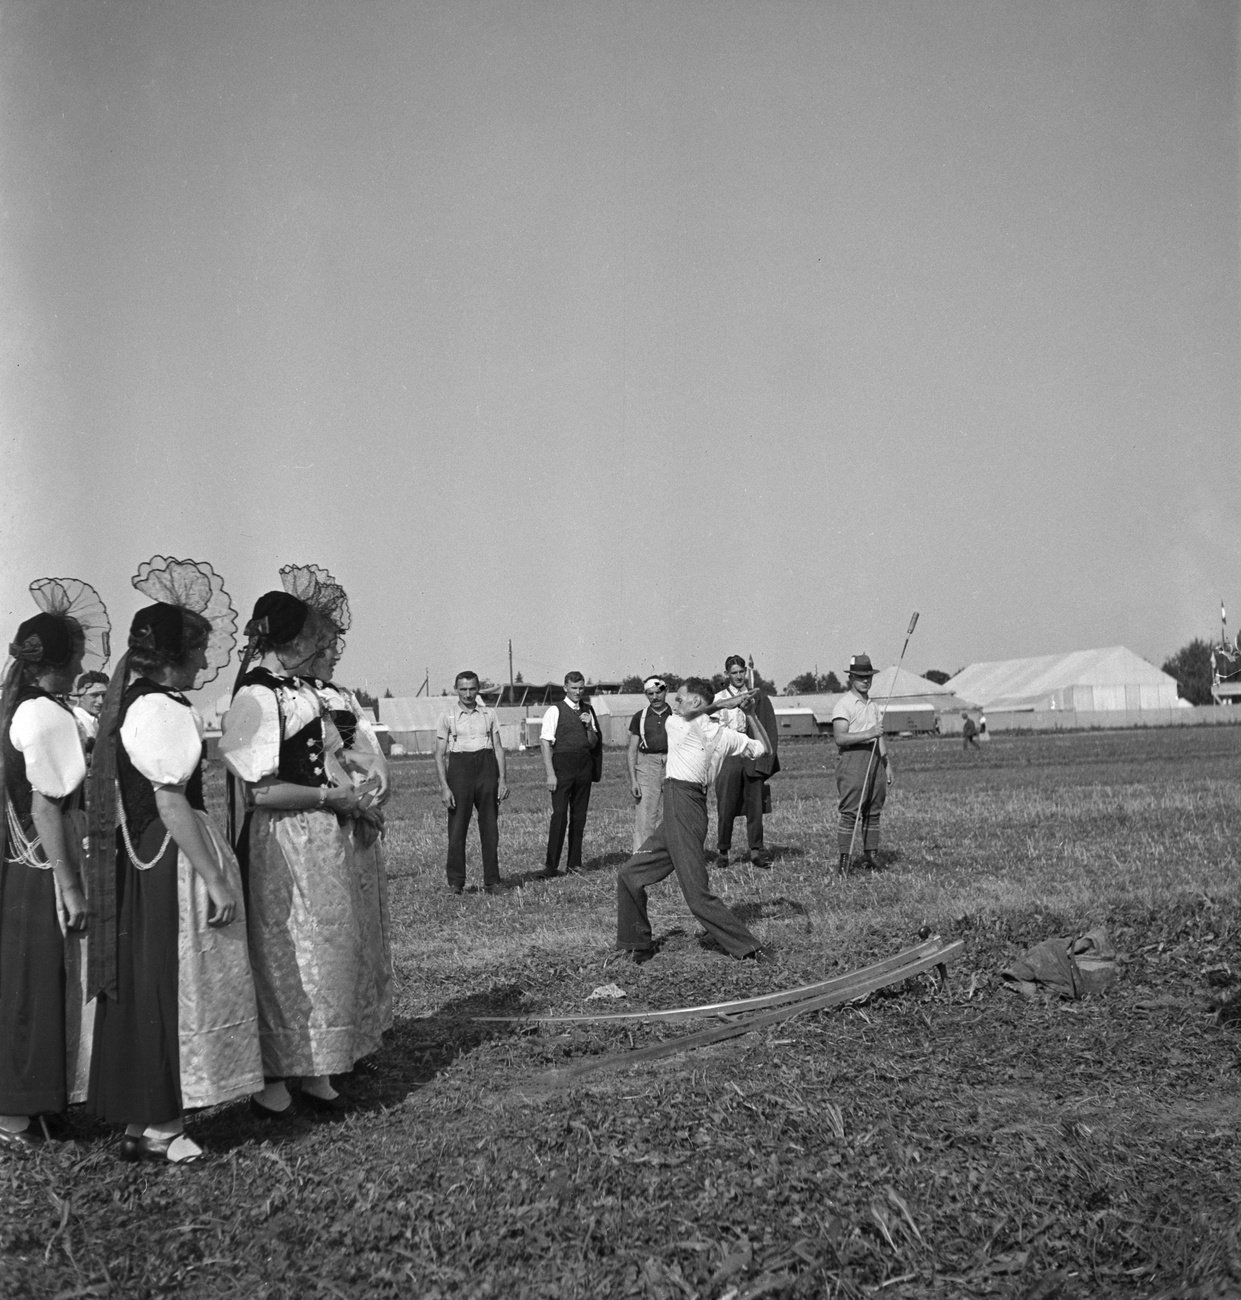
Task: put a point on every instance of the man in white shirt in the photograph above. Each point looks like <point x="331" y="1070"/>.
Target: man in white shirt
<point x="863" y="771"/>
<point x="573" y="760"/>
<point x="696" y="744"/>
<point x="470" y="760"/>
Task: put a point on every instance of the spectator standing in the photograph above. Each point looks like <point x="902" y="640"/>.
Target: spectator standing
<point x="969" y="732"/>
<point x="573" y="760"/>
<point x="470" y="760"/>
<point x="89" y="692"/>
<point x="741" y="786"/>
<point x="648" y="758"/>
<point x="863" y="771"/>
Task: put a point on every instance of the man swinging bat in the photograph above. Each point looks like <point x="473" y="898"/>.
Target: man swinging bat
<point x="696" y="746"/>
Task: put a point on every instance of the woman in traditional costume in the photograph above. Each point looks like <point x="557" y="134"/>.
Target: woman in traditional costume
<point x="354" y="757"/>
<point x="42" y="902"/>
<point x="175" y="1025"/>
<point x="303" y="899"/>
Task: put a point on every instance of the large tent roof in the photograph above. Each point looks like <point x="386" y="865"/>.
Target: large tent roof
<point x="1017" y="682"/>
<point x="900" y="683"/>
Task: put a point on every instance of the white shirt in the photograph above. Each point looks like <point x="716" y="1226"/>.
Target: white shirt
<point x="467" y="731"/>
<point x="88" y="723"/>
<point x="551" y="720"/>
<point x="697" y="748"/>
<point x="48" y="739"/>
<point x="860" y="714"/>
<point x="733" y="719"/>
<point x="164" y="739"/>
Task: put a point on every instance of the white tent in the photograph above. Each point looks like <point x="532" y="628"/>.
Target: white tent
<point x="1105" y="680"/>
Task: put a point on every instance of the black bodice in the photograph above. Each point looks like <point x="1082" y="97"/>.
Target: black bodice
<point x="301" y="755"/>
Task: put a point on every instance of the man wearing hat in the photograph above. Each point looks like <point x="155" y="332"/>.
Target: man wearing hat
<point x="863" y="772"/>
<point x="741" y="785"/>
<point x="648" y="756"/>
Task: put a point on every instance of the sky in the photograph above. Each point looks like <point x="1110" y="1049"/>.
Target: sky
<point x="637" y="333"/>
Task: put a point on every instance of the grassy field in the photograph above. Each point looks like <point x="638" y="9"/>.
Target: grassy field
<point x="926" y="1143"/>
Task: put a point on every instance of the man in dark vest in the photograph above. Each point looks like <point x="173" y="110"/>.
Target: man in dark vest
<point x="573" y="758"/>
<point x="741" y="786"/>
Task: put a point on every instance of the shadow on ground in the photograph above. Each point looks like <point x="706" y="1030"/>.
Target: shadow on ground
<point x="414" y="1053"/>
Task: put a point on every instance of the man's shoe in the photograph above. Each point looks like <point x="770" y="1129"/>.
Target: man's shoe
<point x="721" y="858"/>
<point x="548" y="873"/>
<point x="871" y="863"/>
<point x="639" y="956"/>
<point x="499" y="887"/>
<point x="457" y="889"/>
<point x="762" y="861"/>
<point x="842" y="867"/>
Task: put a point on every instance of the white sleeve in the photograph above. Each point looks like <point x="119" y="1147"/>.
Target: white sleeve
<point x="550" y="721"/>
<point x="250" y="743"/>
<point x="161" y="738"/>
<point x="841" y="711"/>
<point x="733" y="742"/>
<point x="49" y="741"/>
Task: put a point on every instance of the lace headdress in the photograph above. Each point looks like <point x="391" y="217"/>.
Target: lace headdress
<point x="317" y="587"/>
<point x="194" y="585"/>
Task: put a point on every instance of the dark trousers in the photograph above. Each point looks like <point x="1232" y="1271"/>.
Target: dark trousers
<point x="862" y="784"/>
<point x="570" y="803"/>
<point x="474" y="780"/>
<point x="737" y="792"/>
<point x="676" y="846"/>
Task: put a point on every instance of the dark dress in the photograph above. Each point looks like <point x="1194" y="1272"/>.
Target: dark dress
<point x="136" y="1066"/>
<point x="33" y="977"/>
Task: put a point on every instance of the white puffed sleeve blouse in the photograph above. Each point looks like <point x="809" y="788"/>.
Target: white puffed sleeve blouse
<point x="163" y="738"/>
<point x="47" y="737"/>
<point x="250" y="744"/>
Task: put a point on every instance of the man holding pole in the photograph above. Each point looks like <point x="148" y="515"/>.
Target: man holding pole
<point x="863" y="768"/>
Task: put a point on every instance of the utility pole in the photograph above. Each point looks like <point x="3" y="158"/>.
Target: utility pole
<point x="510" y="668"/>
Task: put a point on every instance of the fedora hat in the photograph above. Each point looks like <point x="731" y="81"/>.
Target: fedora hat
<point x="861" y="666"/>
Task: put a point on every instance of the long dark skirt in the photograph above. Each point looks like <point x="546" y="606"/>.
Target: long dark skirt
<point x="32" y="993"/>
<point x="135" y="1075"/>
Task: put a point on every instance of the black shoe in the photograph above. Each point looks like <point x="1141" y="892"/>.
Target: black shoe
<point x="639" y="956"/>
<point x="842" y="867"/>
<point x="763" y="956"/>
<point x="323" y="1105"/>
<point x="29" y="1139"/>
<point x="762" y="861"/>
<point x="721" y="859"/>
<point x="135" y="1149"/>
<point x="871" y="863"/>
<point x="500" y="887"/>
<point x="457" y="889"/>
<point x="548" y="873"/>
<point x="267" y="1115"/>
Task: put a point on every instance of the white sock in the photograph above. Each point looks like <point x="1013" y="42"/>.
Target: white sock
<point x="275" y="1097"/>
<point x="319" y="1085"/>
<point x="162" y="1132"/>
<point x="14" y="1123"/>
<point x="183" y="1148"/>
